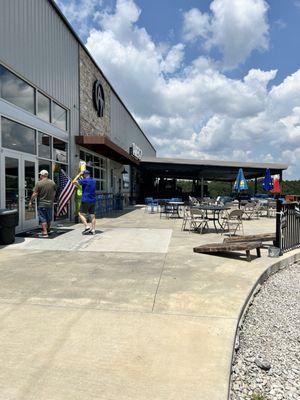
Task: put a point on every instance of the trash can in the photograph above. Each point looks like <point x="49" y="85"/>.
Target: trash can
<point x="118" y="202"/>
<point x="9" y="219"/>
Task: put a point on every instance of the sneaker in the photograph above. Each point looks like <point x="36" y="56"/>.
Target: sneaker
<point x="42" y="235"/>
<point x="86" y="231"/>
<point x="92" y="232"/>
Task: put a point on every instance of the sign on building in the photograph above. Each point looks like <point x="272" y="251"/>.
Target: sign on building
<point x="135" y="151"/>
<point x="98" y="98"/>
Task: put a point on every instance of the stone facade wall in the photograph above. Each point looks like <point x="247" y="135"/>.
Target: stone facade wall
<point x="90" y="123"/>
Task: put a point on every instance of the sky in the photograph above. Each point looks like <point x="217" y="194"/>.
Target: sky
<point x="205" y="79"/>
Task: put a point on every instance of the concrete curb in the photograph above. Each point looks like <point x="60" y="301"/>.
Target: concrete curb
<point x="284" y="262"/>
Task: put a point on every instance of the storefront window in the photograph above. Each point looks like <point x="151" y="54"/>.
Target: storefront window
<point x="60" y="150"/>
<point x="16" y="136"/>
<point x="43" y="107"/>
<point x="57" y="167"/>
<point x="59" y="116"/>
<point x="47" y="165"/>
<point x="96" y="166"/>
<point x="16" y="91"/>
<point x="44" y="145"/>
<point x="96" y="173"/>
<point x="112" y="181"/>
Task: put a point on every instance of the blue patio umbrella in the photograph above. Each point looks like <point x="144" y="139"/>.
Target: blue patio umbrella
<point x="268" y="181"/>
<point x="240" y="182"/>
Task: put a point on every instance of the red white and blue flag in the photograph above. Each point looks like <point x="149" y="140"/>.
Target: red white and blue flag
<point x="66" y="189"/>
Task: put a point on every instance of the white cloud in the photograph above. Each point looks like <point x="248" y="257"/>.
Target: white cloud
<point x="195" y="24"/>
<point x="195" y="110"/>
<point x="235" y="27"/>
<point x="280" y="24"/>
<point x="79" y="12"/>
<point x="174" y="59"/>
<point x="297" y="3"/>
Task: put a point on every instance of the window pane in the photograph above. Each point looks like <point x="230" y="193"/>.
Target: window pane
<point x="98" y="186"/>
<point x="60" y="150"/>
<point x="91" y="171"/>
<point x="88" y="159"/>
<point x="59" y="116"/>
<point x="82" y="155"/>
<point x="44" y="145"/>
<point x="43" y="107"/>
<point x="15" y="90"/>
<point x="96" y="173"/>
<point x="47" y="165"/>
<point x="96" y="161"/>
<point x="29" y="186"/>
<point x="17" y="137"/>
<point x="11" y="183"/>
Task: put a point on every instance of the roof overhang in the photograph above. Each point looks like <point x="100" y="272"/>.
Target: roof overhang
<point x="211" y="170"/>
<point x="104" y="146"/>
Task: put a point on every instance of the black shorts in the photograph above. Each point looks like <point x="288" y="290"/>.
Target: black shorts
<point x="87" y="208"/>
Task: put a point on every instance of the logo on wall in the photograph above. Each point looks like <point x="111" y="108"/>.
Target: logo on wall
<point x="98" y="97"/>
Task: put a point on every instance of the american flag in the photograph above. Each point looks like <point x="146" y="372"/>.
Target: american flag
<point x="66" y="189"/>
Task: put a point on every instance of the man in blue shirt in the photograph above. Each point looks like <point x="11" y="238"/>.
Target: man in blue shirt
<point x="88" y="201"/>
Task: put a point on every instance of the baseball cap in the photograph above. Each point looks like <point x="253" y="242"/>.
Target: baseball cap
<point x="44" y="172"/>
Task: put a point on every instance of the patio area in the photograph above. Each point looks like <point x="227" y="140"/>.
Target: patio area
<point x="130" y="313"/>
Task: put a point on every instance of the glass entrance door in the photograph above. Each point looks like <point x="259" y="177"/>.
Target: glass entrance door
<point x="12" y="199"/>
<point x="20" y="178"/>
<point x="29" y="179"/>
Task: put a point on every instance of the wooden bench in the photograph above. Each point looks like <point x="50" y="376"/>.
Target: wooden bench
<point x="228" y="247"/>
<point x="260" y="237"/>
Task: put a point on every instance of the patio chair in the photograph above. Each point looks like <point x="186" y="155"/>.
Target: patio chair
<point x="262" y="208"/>
<point x="151" y="205"/>
<point x="165" y="209"/>
<point x="193" y="201"/>
<point x="233" y="222"/>
<point x="271" y="208"/>
<point x="195" y="219"/>
<point x="251" y="210"/>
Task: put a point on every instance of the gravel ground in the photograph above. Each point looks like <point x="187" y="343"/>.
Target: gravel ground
<point x="267" y="361"/>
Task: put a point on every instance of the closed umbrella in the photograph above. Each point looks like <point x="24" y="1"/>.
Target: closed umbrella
<point x="268" y="181"/>
<point x="240" y="182"/>
<point x="276" y="185"/>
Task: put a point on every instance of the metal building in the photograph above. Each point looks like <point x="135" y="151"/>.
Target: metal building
<point x="57" y="108"/>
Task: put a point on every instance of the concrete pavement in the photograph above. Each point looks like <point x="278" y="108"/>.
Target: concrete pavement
<point x="131" y="313"/>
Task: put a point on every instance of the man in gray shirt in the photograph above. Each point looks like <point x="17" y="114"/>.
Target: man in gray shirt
<point x="44" y="191"/>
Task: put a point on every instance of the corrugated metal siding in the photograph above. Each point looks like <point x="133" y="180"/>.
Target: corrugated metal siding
<point x="124" y="130"/>
<point x="35" y="42"/>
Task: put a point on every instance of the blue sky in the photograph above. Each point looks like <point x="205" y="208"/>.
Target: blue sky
<point x="212" y="79"/>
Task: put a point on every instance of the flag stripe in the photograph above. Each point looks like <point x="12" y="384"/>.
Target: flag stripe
<point x="66" y="190"/>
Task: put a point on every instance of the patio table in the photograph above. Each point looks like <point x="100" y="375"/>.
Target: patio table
<point x="175" y="207"/>
<point x="215" y="214"/>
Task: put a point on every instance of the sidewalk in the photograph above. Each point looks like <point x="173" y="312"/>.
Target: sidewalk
<point x="131" y="313"/>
